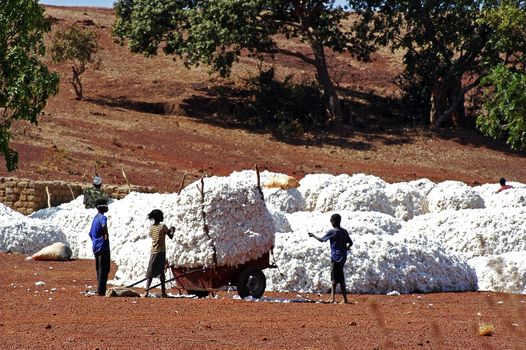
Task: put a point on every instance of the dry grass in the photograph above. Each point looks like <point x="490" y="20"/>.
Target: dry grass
<point x="486" y="329"/>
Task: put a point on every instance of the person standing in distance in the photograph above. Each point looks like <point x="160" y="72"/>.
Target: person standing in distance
<point x="340" y="244"/>
<point x="101" y="245"/>
<point x="92" y="194"/>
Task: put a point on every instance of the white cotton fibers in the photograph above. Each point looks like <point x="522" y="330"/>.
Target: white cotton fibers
<point x="414" y="236"/>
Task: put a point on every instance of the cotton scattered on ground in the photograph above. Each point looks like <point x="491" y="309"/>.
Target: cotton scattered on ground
<point x="414" y="236"/>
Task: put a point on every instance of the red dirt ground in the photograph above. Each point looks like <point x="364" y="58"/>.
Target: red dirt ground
<point x="58" y="315"/>
<point x="137" y="117"/>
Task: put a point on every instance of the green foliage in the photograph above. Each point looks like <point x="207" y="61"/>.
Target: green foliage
<point x="504" y="111"/>
<point x="25" y="83"/>
<point x="447" y="45"/>
<point x="507" y="23"/>
<point x="285" y="107"/>
<point x="217" y="33"/>
<point x="78" y="46"/>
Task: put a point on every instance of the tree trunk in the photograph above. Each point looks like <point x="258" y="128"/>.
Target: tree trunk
<point x="451" y="106"/>
<point x="438" y="100"/>
<point x="330" y="97"/>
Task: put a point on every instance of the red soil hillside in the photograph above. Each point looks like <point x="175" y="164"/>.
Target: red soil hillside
<point x="154" y="118"/>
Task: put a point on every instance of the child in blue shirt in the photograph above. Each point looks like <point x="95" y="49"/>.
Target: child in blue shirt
<point x="340" y="244"/>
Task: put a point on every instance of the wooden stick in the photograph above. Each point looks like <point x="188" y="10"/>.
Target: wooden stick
<point x="125" y="178"/>
<point x="48" y="197"/>
<point x="259" y="182"/>
<point x="182" y="183"/>
<point x="71" y="190"/>
<point x="95" y="169"/>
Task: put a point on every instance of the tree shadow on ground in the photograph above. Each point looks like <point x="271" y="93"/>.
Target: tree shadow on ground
<point x="123" y="103"/>
<point x="232" y="107"/>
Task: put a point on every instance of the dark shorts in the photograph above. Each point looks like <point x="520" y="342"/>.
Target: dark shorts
<point x="337" y="272"/>
<point x="156" y="265"/>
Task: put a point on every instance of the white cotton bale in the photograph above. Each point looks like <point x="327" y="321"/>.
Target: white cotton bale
<point x="75" y="221"/>
<point x="284" y="200"/>
<point x="406" y="201"/>
<point x="359" y="192"/>
<point x="311" y="186"/>
<point x="453" y="195"/>
<point x="279" y="218"/>
<point x="472" y="232"/>
<point x="423" y="186"/>
<point x="25" y="235"/>
<point x="376" y="264"/>
<point x="501" y="273"/>
<point x="356" y="222"/>
<point x="55" y="252"/>
<point x="510" y="198"/>
<point x="239" y="223"/>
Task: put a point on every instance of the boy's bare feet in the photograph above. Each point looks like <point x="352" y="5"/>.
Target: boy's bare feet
<point x="144" y="295"/>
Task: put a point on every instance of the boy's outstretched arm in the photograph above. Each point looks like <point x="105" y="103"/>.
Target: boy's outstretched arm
<point x="314" y="236"/>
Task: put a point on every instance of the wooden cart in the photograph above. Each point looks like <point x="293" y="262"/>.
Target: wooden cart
<point x="248" y="278"/>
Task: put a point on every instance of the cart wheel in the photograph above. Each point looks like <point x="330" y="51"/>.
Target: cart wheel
<point x="199" y="293"/>
<point x="251" y="282"/>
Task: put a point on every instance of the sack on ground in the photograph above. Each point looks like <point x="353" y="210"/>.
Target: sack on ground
<point x="121" y="292"/>
<point x="55" y="252"/>
<point x="284" y="182"/>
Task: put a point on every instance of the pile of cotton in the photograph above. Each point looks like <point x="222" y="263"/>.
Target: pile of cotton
<point x="407" y="201"/>
<point x="376" y="264"/>
<point x="472" y="232"/>
<point x="284" y="200"/>
<point x="355" y="193"/>
<point x="502" y="273"/>
<point x="453" y="195"/>
<point x="21" y="234"/>
<point x="311" y="186"/>
<point x="510" y="198"/>
<point x="240" y="226"/>
<point x="355" y="222"/>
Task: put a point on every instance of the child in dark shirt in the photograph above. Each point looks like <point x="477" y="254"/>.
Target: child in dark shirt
<point x="340" y="244"/>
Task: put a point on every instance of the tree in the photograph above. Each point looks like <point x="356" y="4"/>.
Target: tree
<point x="25" y="82"/>
<point x="504" y="112"/>
<point x="79" y="46"/>
<point x="449" y="46"/>
<point x="217" y="32"/>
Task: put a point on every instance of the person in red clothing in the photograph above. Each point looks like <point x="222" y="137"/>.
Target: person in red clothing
<point x="503" y="185"/>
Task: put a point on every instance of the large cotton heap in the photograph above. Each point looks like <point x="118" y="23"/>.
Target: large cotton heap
<point x="510" y="198"/>
<point x="356" y="222"/>
<point x="376" y="264"/>
<point x="472" y="232"/>
<point x="356" y="193"/>
<point x="240" y="226"/>
<point x="284" y="200"/>
<point x="502" y="273"/>
<point x="453" y="195"/>
<point x="406" y="200"/>
<point x="21" y="234"/>
<point x="311" y="186"/>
